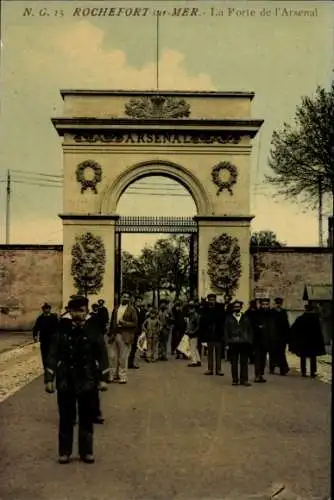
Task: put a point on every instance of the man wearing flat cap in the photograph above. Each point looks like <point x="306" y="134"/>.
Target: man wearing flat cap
<point x="78" y="360"/>
<point x="44" y="329"/>
<point x="212" y="333"/>
<point x="238" y="337"/>
<point x="263" y="338"/>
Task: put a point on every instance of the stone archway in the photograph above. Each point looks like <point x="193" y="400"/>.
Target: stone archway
<point x="111" y="195"/>
<point x="196" y="138"/>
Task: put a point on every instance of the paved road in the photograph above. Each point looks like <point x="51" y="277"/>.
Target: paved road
<point x="172" y="433"/>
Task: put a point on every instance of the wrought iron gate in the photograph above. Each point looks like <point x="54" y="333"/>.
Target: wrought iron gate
<point x="171" y="225"/>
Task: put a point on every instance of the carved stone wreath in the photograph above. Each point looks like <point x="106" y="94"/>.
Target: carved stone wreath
<point x="88" y="264"/>
<point x="215" y="175"/>
<point x="157" y="107"/>
<point x="89" y="183"/>
<point x="224" y="267"/>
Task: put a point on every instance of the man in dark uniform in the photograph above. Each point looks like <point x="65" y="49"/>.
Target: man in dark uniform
<point x="281" y="338"/>
<point x="262" y="334"/>
<point x="104" y="315"/>
<point x="165" y="321"/>
<point x="178" y="327"/>
<point x="212" y="332"/>
<point x="78" y="359"/>
<point x="97" y="319"/>
<point x="141" y="314"/>
<point x="44" y="329"/>
<point x="252" y="316"/>
<point x="238" y="337"/>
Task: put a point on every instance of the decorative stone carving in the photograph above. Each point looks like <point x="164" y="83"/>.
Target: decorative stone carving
<point x="224" y="267"/>
<point x="157" y="107"/>
<point x="87" y="183"/>
<point x="172" y="138"/>
<point x="215" y="175"/>
<point x="88" y="263"/>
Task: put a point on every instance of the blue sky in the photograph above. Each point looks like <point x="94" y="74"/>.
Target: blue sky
<point x="280" y="58"/>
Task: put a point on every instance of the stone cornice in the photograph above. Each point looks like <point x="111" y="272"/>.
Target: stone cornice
<point x="88" y="217"/>
<point x="245" y="126"/>
<point x="30" y="246"/>
<point x="287" y="249"/>
<point x="224" y="218"/>
<point x="166" y="93"/>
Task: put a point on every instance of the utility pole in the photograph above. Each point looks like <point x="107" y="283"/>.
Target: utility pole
<point x="8" y="207"/>
<point x="331" y="239"/>
<point x="320" y="194"/>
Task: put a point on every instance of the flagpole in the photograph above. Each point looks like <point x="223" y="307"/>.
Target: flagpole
<point x="157" y="53"/>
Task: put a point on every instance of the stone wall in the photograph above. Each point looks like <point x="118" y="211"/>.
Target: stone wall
<point x="29" y="276"/>
<point x="32" y="274"/>
<point x="284" y="272"/>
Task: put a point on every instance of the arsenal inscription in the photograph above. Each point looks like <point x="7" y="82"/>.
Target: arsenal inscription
<point x="158" y="138"/>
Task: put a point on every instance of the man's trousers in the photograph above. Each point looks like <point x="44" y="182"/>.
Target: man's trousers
<point x="163" y="343"/>
<point x="313" y="365"/>
<point x="260" y="359"/>
<point x="67" y="402"/>
<point x="45" y="347"/>
<point x="214" y="352"/>
<point x="132" y="355"/>
<point x="194" y="354"/>
<point x="239" y="352"/>
<point x="119" y="355"/>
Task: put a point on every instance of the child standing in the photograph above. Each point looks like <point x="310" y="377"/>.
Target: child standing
<point x="151" y="328"/>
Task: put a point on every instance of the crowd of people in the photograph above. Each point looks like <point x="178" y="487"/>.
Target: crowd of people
<point x="82" y="351"/>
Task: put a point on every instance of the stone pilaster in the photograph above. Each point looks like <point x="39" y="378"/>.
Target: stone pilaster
<point x="99" y="225"/>
<point x="236" y="227"/>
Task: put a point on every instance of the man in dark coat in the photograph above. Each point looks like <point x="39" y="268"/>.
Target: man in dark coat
<point x="98" y="321"/>
<point x="238" y="337"/>
<point x="306" y="340"/>
<point x="281" y="338"/>
<point x="78" y="359"/>
<point x="263" y="328"/>
<point x="212" y="332"/>
<point x="104" y="315"/>
<point x="178" y="327"/>
<point x="165" y="322"/>
<point x="251" y="313"/>
<point x="193" y="333"/>
<point x="44" y="330"/>
<point x="141" y="313"/>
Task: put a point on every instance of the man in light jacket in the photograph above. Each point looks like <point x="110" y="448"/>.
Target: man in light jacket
<point x="238" y="337"/>
<point x="123" y="324"/>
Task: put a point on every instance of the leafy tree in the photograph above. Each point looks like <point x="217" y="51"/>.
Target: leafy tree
<point x="129" y="268"/>
<point x="165" y="266"/>
<point x="302" y="154"/>
<point x="265" y="239"/>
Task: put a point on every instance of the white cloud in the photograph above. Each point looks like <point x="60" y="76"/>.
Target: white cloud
<point x="75" y="55"/>
<point x="82" y="60"/>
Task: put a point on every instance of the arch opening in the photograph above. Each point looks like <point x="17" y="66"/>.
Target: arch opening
<point x="156" y="235"/>
<point x="110" y="198"/>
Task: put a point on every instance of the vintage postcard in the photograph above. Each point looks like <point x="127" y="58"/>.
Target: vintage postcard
<point x="167" y="188"/>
